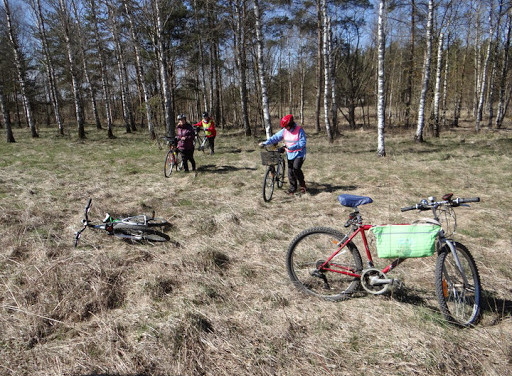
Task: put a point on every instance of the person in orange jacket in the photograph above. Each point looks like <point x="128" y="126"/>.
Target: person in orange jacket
<point x="208" y="126"/>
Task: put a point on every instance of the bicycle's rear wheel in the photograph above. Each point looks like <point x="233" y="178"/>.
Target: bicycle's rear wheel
<point x="309" y="250"/>
<point x="139" y="233"/>
<point x="170" y="162"/>
<point x="458" y="289"/>
<point x="140" y="220"/>
<point x="268" y="184"/>
<point x="280" y="173"/>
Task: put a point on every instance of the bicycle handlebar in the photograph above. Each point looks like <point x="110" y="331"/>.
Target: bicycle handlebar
<point x="431" y="203"/>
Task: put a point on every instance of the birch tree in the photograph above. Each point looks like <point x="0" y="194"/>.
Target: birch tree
<point x="129" y="122"/>
<point x="105" y="86"/>
<point x="49" y="64"/>
<point x="67" y="31"/>
<point x="437" y="90"/>
<point x="140" y="71"/>
<point x="504" y="72"/>
<point x="80" y="40"/>
<point x="20" y="70"/>
<point x="262" y="72"/>
<point x="162" y="64"/>
<point x="485" y="71"/>
<point x="426" y="74"/>
<point x="327" y="70"/>
<point x="381" y="95"/>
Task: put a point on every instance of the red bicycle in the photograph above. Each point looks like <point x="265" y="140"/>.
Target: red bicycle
<point x="322" y="261"/>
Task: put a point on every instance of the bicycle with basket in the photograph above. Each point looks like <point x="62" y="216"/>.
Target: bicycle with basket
<point x="322" y="261"/>
<point x="272" y="157"/>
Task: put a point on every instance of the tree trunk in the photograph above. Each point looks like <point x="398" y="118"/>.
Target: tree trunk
<point x="140" y="72"/>
<point x="164" y="78"/>
<point x="7" y="118"/>
<point x="326" y="52"/>
<point x="319" y="65"/>
<point x="85" y="67"/>
<point x="504" y="72"/>
<point x="50" y="71"/>
<point x="241" y="58"/>
<point x="426" y="74"/>
<point x="483" y="84"/>
<point x="104" y="78"/>
<point x="410" y="71"/>
<point x="20" y="70"/>
<point x="261" y="65"/>
<point x="65" y="20"/>
<point x="437" y="91"/>
<point x="381" y="94"/>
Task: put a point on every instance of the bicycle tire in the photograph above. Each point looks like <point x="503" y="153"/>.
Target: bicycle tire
<point x="179" y="161"/>
<point x="170" y="161"/>
<point x="308" y="250"/>
<point x="139" y="220"/>
<point x="139" y="233"/>
<point x="268" y="184"/>
<point x="198" y="141"/>
<point x="281" y="167"/>
<point x="459" y="303"/>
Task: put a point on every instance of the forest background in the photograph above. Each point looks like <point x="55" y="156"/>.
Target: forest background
<point x="88" y="87"/>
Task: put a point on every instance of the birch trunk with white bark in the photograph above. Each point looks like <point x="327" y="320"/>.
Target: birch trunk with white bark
<point x="437" y="90"/>
<point x="326" y="51"/>
<point x="262" y="72"/>
<point x="381" y="83"/>
<point x="426" y="74"/>
<point x="140" y="71"/>
<point x="66" y="24"/>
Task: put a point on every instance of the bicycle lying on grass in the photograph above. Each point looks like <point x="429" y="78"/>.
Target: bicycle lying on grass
<point x="139" y="227"/>
<point x="324" y="262"/>
<point x="273" y="158"/>
<point x="173" y="159"/>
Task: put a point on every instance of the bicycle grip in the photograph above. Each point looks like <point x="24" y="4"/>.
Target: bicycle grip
<point x="407" y="208"/>
<point x="471" y="199"/>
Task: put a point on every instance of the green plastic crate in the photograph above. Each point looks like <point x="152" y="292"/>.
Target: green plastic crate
<point x="405" y="241"/>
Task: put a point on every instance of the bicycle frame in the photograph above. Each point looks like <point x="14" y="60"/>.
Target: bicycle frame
<point x="362" y="231"/>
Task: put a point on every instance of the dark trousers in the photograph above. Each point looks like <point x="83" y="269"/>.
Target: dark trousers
<point x="295" y="173"/>
<point x="211" y="142"/>
<point x="188" y="155"/>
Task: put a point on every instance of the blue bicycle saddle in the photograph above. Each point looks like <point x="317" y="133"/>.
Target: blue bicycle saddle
<point x="353" y="201"/>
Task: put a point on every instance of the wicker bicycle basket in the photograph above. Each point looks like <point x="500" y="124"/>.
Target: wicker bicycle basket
<point x="269" y="158"/>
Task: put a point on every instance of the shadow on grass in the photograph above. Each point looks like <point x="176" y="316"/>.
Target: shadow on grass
<point x="491" y="305"/>
<point x="222" y="169"/>
<point x="316" y="188"/>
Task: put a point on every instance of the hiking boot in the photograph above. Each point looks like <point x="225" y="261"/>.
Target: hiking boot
<point x="303" y="189"/>
<point x="289" y="192"/>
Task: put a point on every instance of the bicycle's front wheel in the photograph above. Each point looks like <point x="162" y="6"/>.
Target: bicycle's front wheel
<point x="170" y="162"/>
<point x="458" y="286"/>
<point x="280" y="173"/>
<point x="139" y="233"/>
<point x="268" y="184"/>
<point x="306" y="259"/>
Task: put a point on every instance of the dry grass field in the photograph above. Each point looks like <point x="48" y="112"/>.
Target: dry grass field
<point x="216" y="299"/>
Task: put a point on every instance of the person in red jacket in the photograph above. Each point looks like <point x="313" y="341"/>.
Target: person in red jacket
<point x="208" y="125"/>
<point x="185" y="141"/>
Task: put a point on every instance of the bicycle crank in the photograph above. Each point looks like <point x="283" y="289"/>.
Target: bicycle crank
<point x="376" y="282"/>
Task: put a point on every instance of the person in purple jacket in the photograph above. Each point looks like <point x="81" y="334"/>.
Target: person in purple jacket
<point x="294" y="139"/>
<point x="185" y="141"/>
